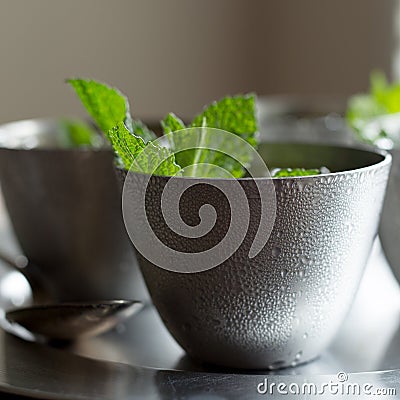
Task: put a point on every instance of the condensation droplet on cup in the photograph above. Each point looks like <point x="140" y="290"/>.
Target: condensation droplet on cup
<point x="304" y="259"/>
<point x="276" y="251"/>
<point x="284" y="273"/>
<point x="216" y="322"/>
<point x="298" y="355"/>
<point x="305" y="336"/>
<point x="349" y="226"/>
<point x="296" y="322"/>
<point x="301" y="185"/>
<point x="276" y="365"/>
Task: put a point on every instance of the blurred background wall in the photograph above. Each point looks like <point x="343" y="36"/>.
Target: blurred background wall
<point x="176" y="55"/>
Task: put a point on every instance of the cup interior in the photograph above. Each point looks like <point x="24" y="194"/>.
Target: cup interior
<point x="45" y="133"/>
<point x="335" y="158"/>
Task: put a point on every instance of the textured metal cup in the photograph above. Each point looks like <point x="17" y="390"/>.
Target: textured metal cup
<point x="65" y="208"/>
<point x="315" y="119"/>
<point x="389" y="230"/>
<point x="283" y="306"/>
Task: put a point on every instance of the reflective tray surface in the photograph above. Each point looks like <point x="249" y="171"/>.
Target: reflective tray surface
<point x="140" y="360"/>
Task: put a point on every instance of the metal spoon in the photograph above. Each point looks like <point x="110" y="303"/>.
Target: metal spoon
<point x="61" y="321"/>
<point x="69" y="321"/>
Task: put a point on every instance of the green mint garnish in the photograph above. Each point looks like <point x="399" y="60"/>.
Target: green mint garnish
<point x="129" y="138"/>
<point x="125" y="144"/>
<point x="286" y="172"/>
<point x="233" y="114"/>
<point x="133" y="141"/>
<point x="138" y="156"/>
<point x="141" y="130"/>
<point x="171" y="123"/>
<point x="385" y="95"/>
<point x="156" y="160"/>
<point x="382" y="100"/>
<point x="75" y="133"/>
<point x="108" y="107"/>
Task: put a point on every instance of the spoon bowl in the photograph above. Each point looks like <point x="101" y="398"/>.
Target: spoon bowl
<point x="70" y="321"/>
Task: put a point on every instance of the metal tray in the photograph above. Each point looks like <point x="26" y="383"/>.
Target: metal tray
<point x="140" y="360"/>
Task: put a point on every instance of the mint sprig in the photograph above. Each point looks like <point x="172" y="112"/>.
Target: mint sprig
<point x="129" y="138"/>
<point x="156" y="160"/>
<point x="125" y="144"/>
<point x="287" y="172"/>
<point x="77" y="134"/>
<point x="235" y="114"/>
<point x="134" y="142"/>
<point x="363" y="109"/>
<point x="138" y="156"/>
<point x="172" y="123"/>
<point x="108" y="107"/>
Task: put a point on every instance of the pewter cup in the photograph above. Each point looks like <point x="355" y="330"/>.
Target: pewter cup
<point x="284" y="306"/>
<point x="389" y="229"/>
<point x="65" y="208"/>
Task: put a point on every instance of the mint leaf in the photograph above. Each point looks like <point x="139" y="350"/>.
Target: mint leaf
<point x="140" y="129"/>
<point x="125" y="144"/>
<point x="235" y="114"/>
<point x="137" y="156"/>
<point x="132" y="140"/>
<point x="387" y="96"/>
<point x="171" y="123"/>
<point x="75" y="133"/>
<point x="287" y="172"/>
<point x="365" y="111"/>
<point x="108" y="107"/>
<point x="156" y="160"/>
<point x="361" y="109"/>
